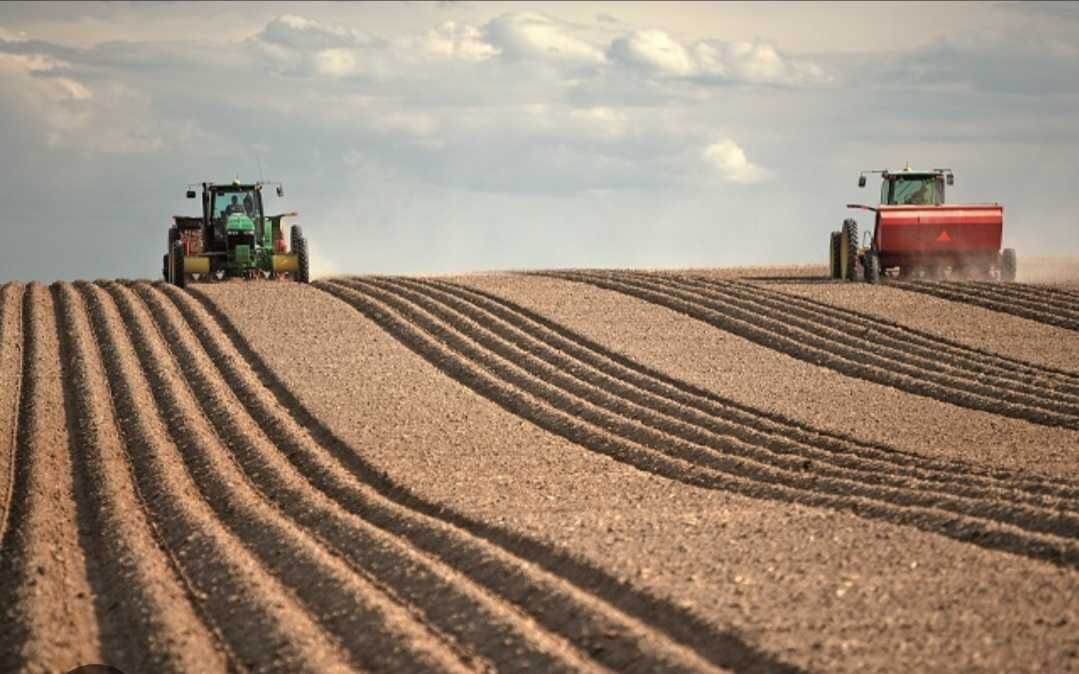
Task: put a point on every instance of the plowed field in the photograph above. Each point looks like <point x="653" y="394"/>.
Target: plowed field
<point x="755" y="471"/>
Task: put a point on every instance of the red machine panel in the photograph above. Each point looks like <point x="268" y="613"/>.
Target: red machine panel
<point x="946" y="229"/>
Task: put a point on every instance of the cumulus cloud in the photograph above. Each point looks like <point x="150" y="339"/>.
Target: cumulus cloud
<point x="457" y="40"/>
<point x="297" y="45"/>
<point x="653" y="50"/>
<point x="336" y="62"/>
<point x="531" y="35"/>
<point x="60" y="104"/>
<point x="754" y="63"/>
<point x="298" y="32"/>
<point x="300" y="46"/>
<point x="730" y="162"/>
<point x="72" y="108"/>
<point x="12" y="36"/>
<point x="656" y="52"/>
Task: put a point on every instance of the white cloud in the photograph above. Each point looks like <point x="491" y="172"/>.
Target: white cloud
<point x="656" y="52"/>
<point x="67" y="115"/>
<point x="299" y="32"/>
<point x="730" y="162"/>
<point x="604" y="120"/>
<point x="30" y="63"/>
<point x="754" y="63"/>
<point x="457" y="40"/>
<point x="653" y="50"/>
<point x="297" y="45"/>
<point x="10" y="36"/>
<point x="33" y="72"/>
<point x="535" y="35"/>
<point x="336" y="62"/>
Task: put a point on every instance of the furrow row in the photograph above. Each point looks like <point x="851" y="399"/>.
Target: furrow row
<point x="626" y="440"/>
<point x="1071" y="293"/>
<point x="697" y="420"/>
<point x="452" y="609"/>
<point x="806" y="345"/>
<point x="1058" y="299"/>
<point x="11" y="345"/>
<point x="788" y="280"/>
<point x="638" y="416"/>
<point x="866" y="346"/>
<point x="231" y="579"/>
<point x="48" y="620"/>
<point x="758" y="427"/>
<point x="138" y="575"/>
<point x="899" y="354"/>
<point x="968" y="294"/>
<point x="933" y="350"/>
<point x="608" y="619"/>
<point x="1045" y="300"/>
<point x="358" y="617"/>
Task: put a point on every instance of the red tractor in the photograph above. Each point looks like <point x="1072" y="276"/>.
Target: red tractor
<point x="916" y="234"/>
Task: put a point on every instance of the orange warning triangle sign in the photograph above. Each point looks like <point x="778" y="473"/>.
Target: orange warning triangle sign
<point x="944" y="236"/>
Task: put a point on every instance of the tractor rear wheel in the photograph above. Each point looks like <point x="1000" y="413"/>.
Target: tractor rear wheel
<point x="833" y="255"/>
<point x="849" y="249"/>
<point x="295" y="233"/>
<point x="1008" y="265"/>
<point x="872" y="267"/>
<point x="303" y="273"/>
<point x="178" y="276"/>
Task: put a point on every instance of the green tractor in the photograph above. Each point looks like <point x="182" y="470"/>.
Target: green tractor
<point x="234" y="239"/>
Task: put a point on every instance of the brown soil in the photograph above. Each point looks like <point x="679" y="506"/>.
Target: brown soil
<point x="522" y="473"/>
<point x="768" y="379"/>
<point x="980" y="328"/>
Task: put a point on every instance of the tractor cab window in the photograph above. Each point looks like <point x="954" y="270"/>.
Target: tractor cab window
<point x="920" y="191"/>
<point x="244" y="202"/>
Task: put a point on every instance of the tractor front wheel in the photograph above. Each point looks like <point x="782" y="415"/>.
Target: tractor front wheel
<point x="177" y="265"/>
<point x="295" y="233"/>
<point x="303" y="273"/>
<point x="1008" y="265"/>
<point x="849" y="250"/>
<point x="872" y="267"/>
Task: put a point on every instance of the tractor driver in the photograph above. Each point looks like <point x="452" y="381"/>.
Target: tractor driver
<point x="923" y="196"/>
<point x="234" y="206"/>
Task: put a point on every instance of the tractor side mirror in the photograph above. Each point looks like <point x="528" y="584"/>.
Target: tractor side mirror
<point x="861" y="181"/>
<point x="191" y="194"/>
<point x="280" y="191"/>
<point x="950" y="179"/>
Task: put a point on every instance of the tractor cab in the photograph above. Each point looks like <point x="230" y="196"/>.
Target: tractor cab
<point x="233" y="217"/>
<point x="912" y="188"/>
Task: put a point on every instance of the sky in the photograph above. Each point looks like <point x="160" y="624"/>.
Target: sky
<point x="429" y="138"/>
